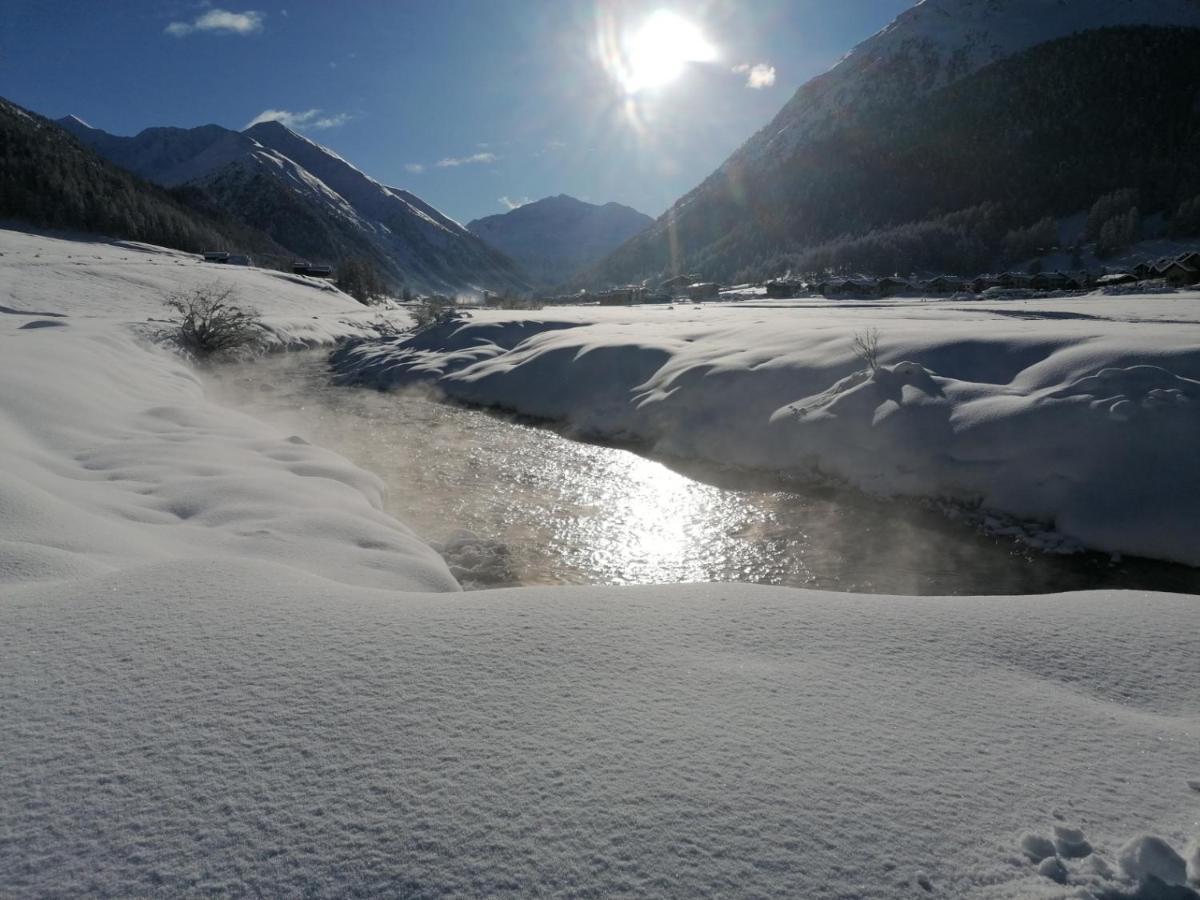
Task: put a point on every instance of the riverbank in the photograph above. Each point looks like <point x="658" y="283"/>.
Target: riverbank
<point x="508" y="502"/>
<point x="226" y="670"/>
<point x="1077" y="413"/>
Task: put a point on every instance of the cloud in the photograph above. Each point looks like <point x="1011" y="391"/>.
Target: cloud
<point x="451" y="161"/>
<point x="510" y="203"/>
<point x="758" y="76"/>
<point x="415" y="168"/>
<point x="220" y="21"/>
<point x="299" y="121"/>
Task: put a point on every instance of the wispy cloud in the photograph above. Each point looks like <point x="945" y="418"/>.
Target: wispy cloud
<point x="451" y="161"/>
<point x="510" y="203"/>
<point x="220" y="21"/>
<point x="415" y="168"/>
<point x="299" y="121"/>
<point x="758" y="76"/>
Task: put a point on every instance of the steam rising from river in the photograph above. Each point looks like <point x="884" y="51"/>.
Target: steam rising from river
<point x="512" y="503"/>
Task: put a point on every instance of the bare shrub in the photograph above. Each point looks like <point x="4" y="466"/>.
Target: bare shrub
<point x="866" y="347"/>
<point x="209" y="323"/>
<point x="434" y="311"/>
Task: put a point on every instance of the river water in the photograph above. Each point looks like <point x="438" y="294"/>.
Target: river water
<point x="510" y="502"/>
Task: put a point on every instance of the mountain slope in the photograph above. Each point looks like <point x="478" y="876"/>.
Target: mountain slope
<point x="312" y="202"/>
<point x="761" y="201"/>
<point x="554" y="237"/>
<point x="50" y="180"/>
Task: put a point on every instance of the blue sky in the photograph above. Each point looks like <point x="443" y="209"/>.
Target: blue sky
<point x="471" y="104"/>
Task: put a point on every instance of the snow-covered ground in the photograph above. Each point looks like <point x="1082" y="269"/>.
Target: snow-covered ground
<point x="1083" y="411"/>
<point x="112" y="458"/>
<point x="224" y="670"/>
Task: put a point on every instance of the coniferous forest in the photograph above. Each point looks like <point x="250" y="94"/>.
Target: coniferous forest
<point x="50" y="180"/>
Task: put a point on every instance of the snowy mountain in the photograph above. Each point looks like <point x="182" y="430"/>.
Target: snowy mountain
<point x="759" y="201"/>
<point x="554" y="237"/>
<point x="936" y="43"/>
<point x="311" y="201"/>
<point x="50" y="180"/>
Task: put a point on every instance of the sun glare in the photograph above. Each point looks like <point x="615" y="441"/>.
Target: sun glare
<point x="657" y="53"/>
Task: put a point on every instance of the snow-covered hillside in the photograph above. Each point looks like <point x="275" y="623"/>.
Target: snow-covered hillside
<point x="555" y="237"/>
<point x="225" y="671"/>
<point x="349" y="212"/>
<point x="935" y="43"/>
<point x="896" y="136"/>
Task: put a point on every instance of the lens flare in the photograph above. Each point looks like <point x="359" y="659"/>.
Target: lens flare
<point x="658" y="52"/>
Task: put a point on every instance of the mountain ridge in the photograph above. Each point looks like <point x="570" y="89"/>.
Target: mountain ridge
<point x="929" y="48"/>
<point x="556" y="236"/>
<point x="50" y="179"/>
<point x="334" y="209"/>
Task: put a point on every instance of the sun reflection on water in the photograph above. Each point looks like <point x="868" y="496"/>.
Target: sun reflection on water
<point x="513" y="503"/>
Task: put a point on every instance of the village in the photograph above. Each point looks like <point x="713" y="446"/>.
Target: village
<point x="1181" y="270"/>
<point x="1178" y="271"/>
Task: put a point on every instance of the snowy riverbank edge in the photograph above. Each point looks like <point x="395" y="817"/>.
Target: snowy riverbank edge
<point x="1079" y="412"/>
<point x="226" y="671"/>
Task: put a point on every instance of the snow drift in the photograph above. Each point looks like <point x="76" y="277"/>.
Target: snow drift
<point x="1081" y="412"/>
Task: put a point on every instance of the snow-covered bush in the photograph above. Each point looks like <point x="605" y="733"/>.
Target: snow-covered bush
<point x="209" y="323"/>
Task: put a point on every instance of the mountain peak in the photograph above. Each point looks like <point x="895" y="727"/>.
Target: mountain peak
<point x="556" y="236"/>
<point x="67" y="121"/>
<point x="271" y="127"/>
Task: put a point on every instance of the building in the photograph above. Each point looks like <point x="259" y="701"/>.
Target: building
<point x="678" y="285"/>
<point x="1190" y="258"/>
<point x="616" y="297"/>
<point x="704" y="290"/>
<point x="945" y="284"/>
<point x="780" y="289"/>
<point x="1012" y="280"/>
<point x="313" y="271"/>
<point x="886" y="287"/>
<point x="1179" y="274"/>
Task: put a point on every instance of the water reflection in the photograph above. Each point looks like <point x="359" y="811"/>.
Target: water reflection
<point x="509" y="502"/>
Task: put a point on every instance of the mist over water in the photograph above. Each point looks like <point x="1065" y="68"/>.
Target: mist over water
<point x="510" y="503"/>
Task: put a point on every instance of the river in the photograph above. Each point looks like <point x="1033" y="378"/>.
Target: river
<point x="509" y="502"/>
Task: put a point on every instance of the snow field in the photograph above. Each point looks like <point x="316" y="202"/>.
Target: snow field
<point x="224" y="670"/>
<point x="232" y="725"/>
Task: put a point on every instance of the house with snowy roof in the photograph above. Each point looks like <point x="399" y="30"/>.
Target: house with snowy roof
<point x="1180" y="274"/>
<point x="944" y="284"/>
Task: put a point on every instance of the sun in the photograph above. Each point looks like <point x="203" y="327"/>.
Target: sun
<point x="658" y="52"/>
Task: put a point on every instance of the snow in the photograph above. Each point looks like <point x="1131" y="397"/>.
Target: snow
<point x="1146" y="856"/>
<point x="1080" y="412"/>
<point x="226" y="671"/>
<point x="253" y="728"/>
<point x="114" y="458"/>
